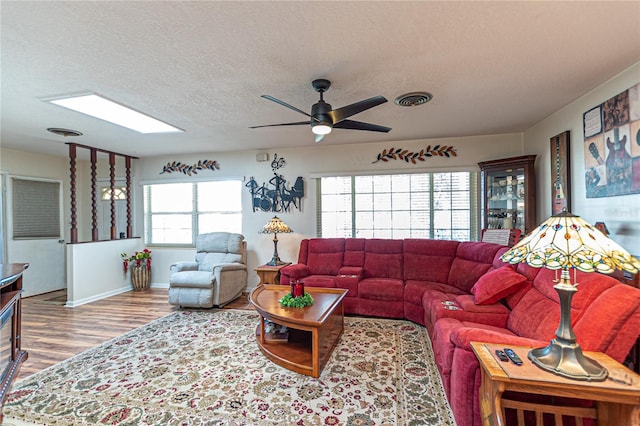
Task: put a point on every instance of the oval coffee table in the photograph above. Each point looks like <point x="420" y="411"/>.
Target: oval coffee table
<point x="313" y="331"/>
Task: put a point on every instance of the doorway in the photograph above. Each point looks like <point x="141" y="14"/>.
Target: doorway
<point x="104" y="196"/>
<point x="34" y="224"/>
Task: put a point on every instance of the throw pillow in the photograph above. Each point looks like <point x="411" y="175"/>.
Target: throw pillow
<point x="499" y="283"/>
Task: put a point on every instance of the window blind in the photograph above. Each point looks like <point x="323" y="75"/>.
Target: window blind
<point x="36" y="209"/>
<point x="422" y="205"/>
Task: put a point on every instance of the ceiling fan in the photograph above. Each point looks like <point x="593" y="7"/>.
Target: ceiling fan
<point x="323" y="119"/>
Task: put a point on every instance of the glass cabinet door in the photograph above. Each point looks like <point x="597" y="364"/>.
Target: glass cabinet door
<point x="508" y="199"/>
<point x="505" y="199"/>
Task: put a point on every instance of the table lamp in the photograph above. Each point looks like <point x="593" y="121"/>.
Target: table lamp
<point x="275" y="226"/>
<point x="562" y="242"/>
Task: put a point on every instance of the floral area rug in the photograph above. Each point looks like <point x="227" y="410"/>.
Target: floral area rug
<point x="205" y="368"/>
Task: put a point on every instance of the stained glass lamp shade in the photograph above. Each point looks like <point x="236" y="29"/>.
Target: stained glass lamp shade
<point x="562" y="242"/>
<point x="275" y="226"/>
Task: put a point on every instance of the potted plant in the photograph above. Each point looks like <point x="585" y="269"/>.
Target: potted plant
<point x="140" y="265"/>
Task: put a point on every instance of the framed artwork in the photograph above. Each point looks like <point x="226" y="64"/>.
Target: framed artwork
<point x="560" y="175"/>
<point x="612" y="146"/>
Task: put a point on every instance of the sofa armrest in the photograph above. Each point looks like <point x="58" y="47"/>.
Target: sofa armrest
<point x="183" y="266"/>
<point x="463" y="336"/>
<point x="294" y="272"/>
<point x="348" y="278"/>
<point x="229" y="271"/>
<point x="352" y="271"/>
<point x="224" y="267"/>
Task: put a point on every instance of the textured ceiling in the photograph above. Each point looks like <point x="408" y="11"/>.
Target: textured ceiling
<point x="493" y="67"/>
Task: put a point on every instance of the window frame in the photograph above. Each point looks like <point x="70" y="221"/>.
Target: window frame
<point x="474" y="212"/>
<point x="194" y="213"/>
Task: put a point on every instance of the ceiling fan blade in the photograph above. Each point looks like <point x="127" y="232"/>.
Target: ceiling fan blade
<point x="284" y="104"/>
<point x="319" y="138"/>
<point x="340" y="114"/>
<point x="298" y="123"/>
<point x="359" y="125"/>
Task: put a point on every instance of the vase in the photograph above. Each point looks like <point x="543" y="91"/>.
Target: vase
<point x="140" y="277"/>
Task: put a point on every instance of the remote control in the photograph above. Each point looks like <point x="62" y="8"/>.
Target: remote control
<point x="513" y="356"/>
<point x="503" y="357"/>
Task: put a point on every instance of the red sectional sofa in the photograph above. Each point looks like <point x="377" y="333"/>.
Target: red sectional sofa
<point x="494" y="302"/>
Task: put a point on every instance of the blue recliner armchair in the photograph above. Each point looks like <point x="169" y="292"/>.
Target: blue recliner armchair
<point x="216" y="277"/>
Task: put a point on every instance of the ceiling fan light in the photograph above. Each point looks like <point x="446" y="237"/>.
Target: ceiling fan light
<point x="321" y="129"/>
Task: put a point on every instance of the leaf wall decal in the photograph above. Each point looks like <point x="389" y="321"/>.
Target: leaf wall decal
<point x="185" y="169"/>
<point x="411" y="157"/>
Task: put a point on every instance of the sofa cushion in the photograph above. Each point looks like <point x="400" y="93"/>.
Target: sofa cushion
<point x="535" y="317"/>
<point x="618" y="308"/>
<point x="473" y="259"/>
<point x="193" y="279"/>
<point x="381" y="289"/>
<point x="468" y="332"/>
<point x="383" y="259"/>
<point x="465" y="309"/>
<point x="428" y="260"/>
<point x="354" y="252"/>
<point x="465" y="273"/>
<point x="326" y="281"/>
<point x="221" y="242"/>
<point x="215" y="248"/>
<point x="496" y="284"/>
<point x="512" y="300"/>
<point x="530" y="272"/>
<point x="414" y="290"/>
<point x="325" y="255"/>
<point x="537" y="314"/>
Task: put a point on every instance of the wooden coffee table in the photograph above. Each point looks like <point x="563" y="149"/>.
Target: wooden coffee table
<point x="313" y="331"/>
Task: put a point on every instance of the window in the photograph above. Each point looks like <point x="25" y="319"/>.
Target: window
<point x="175" y="213"/>
<point x="427" y="205"/>
<point x="36" y="209"/>
<point x="119" y="193"/>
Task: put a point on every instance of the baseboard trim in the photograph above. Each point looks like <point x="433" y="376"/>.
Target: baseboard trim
<point x="74" y="303"/>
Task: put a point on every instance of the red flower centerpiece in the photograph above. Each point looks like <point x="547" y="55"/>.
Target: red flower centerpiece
<point x="139" y="258"/>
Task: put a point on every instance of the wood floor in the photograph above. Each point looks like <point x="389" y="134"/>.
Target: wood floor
<point x="52" y="333"/>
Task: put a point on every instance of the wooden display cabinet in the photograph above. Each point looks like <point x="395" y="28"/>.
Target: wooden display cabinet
<point x="509" y="193"/>
<point x="11" y="355"/>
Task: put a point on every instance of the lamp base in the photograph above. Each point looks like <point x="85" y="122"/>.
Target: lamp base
<point x="566" y="359"/>
<point x="275" y="261"/>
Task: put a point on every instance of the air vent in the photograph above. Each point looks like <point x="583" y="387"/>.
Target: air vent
<point x="64" y="132"/>
<point x="413" y="99"/>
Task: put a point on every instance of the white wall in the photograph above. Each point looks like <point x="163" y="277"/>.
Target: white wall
<point x="621" y="213"/>
<point x="310" y="160"/>
<point x="38" y="278"/>
<point x="95" y="270"/>
<point x="30" y="164"/>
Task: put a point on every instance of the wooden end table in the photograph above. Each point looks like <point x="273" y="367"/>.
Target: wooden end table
<point x="617" y="403"/>
<point x="269" y="274"/>
<point x="313" y="331"/>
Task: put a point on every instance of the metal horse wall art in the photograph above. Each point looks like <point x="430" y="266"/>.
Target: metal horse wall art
<point x="276" y="197"/>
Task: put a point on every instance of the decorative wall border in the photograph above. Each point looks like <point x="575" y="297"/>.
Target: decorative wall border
<point x="411" y="157"/>
<point x="186" y="169"/>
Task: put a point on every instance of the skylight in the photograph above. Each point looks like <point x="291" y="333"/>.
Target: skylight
<point x="104" y="109"/>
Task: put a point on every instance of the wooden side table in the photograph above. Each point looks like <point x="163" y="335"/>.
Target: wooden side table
<point x="269" y="274"/>
<point x="617" y="402"/>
